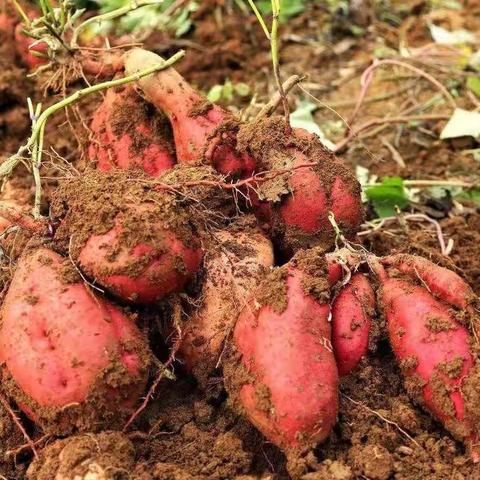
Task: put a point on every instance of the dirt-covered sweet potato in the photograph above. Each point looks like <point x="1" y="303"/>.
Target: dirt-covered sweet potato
<point x="236" y="260"/>
<point x="70" y="359"/>
<point x="136" y="241"/>
<point x="128" y="132"/>
<point x="294" y="206"/>
<point x="204" y="133"/>
<point x="352" y="312"/>
<point x="434" y="347"/>
<point x="283" y="373"/>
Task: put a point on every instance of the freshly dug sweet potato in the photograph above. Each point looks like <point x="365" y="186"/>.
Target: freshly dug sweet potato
<point x="352" y="312"/>
<point x="283" y="373"/>
<point x="127" y="132"/>
<point x="442" y="282"/>
<point x="204" y="133"/>
<point x="294" y="207"/>
<point x="25" y="45"/>
<point x="435" y="350"/>
<point x="138" y="243"/>
<point x="69" y="358"/>
<point x="236" y="261"/>
<point x="104" y="456"/>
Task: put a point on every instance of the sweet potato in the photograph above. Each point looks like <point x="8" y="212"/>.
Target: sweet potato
<point x="351" y="320"/>
<point x="284" y="373"/>
<point x="204" y="132"/>
<point x="434" y="351"/>
<point x="237" y="260"/>
<point x="127" y="133"/>
<point x="25" y="45"/>
<point x="140" y="244"/>
<point x="442" y="282"/>
<point x="294" y="207"/>
<point x="69" y="359"/>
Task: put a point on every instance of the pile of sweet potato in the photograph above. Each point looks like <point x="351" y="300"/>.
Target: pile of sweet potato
<point x="183" y="201"/>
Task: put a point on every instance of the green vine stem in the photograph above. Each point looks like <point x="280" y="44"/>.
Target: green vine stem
<point x="134" y="4"/>
<point x="34" y="145"/>
<point x="260" y="19"/>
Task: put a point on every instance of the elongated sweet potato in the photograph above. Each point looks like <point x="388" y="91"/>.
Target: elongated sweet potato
<point x="352" y="313"/>
<point x="69" y="359"/>
<point x="127" y="132"/>
<point x="138" y="243"/>
<point x="434" y="351"/>
<point x="442" y="282"/>
<point x="284" y="374"/>
<point x="237" y="260"/>
<point x="204" y="132"/>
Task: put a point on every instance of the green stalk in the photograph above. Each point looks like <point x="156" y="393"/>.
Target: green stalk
<point x="34" y="144"/>
<point x="260" y="19"/>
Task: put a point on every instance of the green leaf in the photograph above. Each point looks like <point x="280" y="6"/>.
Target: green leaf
<point x="387" y="196"/>
<point x="288" y="8"/>
<point x="472" y="194"/>
<point x="242" y="89"/>
<point x="215" y="93"/>
<point x="473" y="83"/>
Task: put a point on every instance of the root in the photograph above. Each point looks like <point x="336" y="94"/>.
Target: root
<point x="386" y="420"/>
<point x="26" y="446"/>
<point x="18" y="423"/>
<point x="177" y="314"/>
<point x="26" y="222"/>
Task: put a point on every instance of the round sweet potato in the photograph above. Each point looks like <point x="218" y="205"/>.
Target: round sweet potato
<point x="69" y="358"/>
<point x="138" y="243"/>
<point x="293" y="207"/>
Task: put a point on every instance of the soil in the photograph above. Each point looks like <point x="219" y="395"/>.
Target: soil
<point x="188" y="432"/>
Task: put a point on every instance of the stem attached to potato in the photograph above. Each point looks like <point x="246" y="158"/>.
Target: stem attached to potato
<point x="34" y="144"/>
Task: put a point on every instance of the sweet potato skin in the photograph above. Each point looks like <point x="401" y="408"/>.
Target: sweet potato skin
<point x="290" y="391"/>
<point x="433" y="349"/>
<point x="161" y="270"/>
<point x="61" y="345"/>
<point x="233" y="267"/>
<point x="197" y="123"/>
<point x="125" y="135"/>
<point x="442" y="282"/>
<point x="352" y="313"/>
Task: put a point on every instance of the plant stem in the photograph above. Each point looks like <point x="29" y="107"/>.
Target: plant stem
<point x="276" y="63"/>
<point x="110" y="16"/>
<point x="38" y="127"/>
<point x="260" y="19"/>
<point x="21" y="12"/>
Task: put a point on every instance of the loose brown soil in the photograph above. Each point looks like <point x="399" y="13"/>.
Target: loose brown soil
<point x="191" y="433"/>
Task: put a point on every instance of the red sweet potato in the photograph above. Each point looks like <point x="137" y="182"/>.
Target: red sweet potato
<point x="127" y="133"/>
<point x="139" y="244"/>
<point x="434" y="351"/>
<point x="204" y="132"/>
<point x="352" y="313"/>
<point x="237" y="260"/>
<point x="70" y="359"/>
<point x="294" y="207"/>
<point x="25" y="45"/>
<point x="442" y="282"/>
<point x="287" y="383"/>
